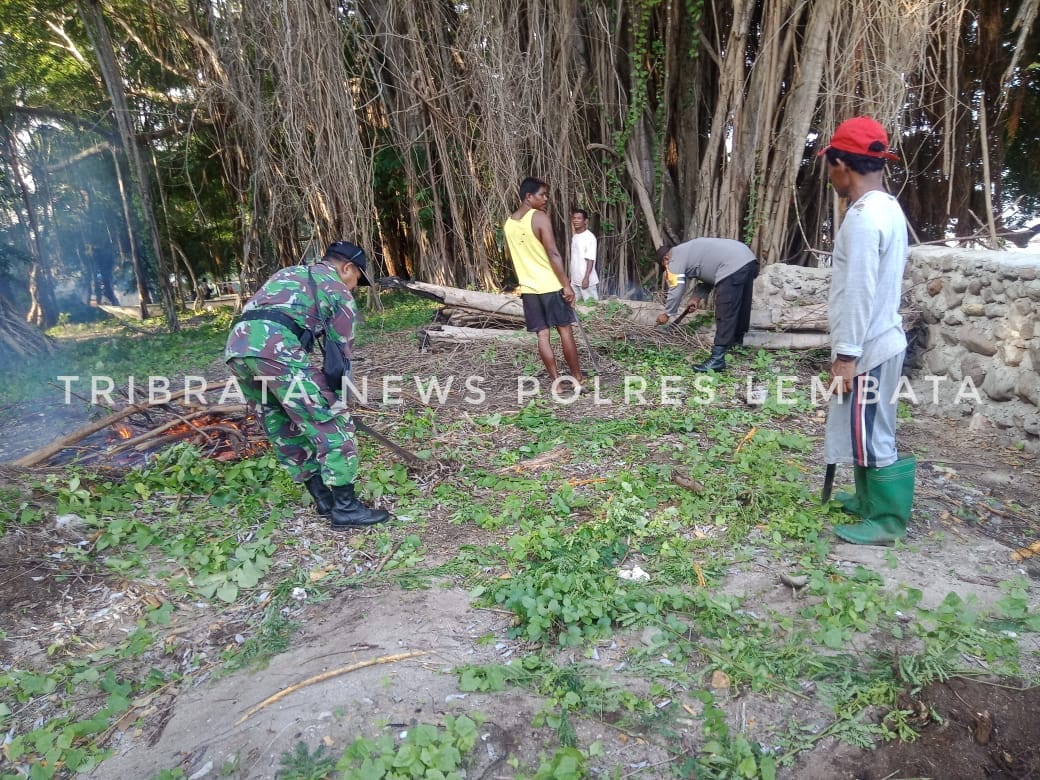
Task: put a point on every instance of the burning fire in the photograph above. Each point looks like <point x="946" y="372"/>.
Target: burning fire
<point x="218" y="436"/>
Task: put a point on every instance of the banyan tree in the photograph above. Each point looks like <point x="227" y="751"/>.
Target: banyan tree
<point x="407" y="126"/>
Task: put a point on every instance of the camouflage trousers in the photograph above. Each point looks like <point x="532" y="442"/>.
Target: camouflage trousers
<point x="295" y="407"/>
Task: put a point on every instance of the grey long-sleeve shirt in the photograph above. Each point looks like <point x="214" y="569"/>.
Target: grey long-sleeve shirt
<point x="709" y="260"/>
<point x="870" y="254"/>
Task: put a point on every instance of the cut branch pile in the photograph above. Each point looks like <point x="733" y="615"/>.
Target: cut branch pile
<point x="223" y="432"/>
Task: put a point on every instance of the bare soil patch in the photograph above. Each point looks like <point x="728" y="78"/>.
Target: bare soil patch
<point x="970" y="729"/>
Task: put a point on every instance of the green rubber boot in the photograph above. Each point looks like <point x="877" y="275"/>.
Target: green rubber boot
<point x="891" y="492"/>
<point x="855" y="503"/>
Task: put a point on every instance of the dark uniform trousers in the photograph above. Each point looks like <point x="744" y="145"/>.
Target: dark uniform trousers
<point x="733" y="305"/>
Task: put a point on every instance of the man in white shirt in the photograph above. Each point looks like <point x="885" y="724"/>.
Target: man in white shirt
<point x="583" y="257"/>
<point x="867" y="339"/>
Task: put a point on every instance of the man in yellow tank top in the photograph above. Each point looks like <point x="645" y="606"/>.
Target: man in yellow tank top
<point x="545" y="290"/>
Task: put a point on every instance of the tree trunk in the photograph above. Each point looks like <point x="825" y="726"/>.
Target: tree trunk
<point x="44" y="309"/>
<point x="140" y="277"/>
<point x="19" y="341"/>
<point x="94" y="20"/>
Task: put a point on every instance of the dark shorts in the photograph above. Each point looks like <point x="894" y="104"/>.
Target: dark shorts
<point x="546" y="310"/>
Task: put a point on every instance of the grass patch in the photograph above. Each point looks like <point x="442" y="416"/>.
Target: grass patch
<point x="109" y="350"/>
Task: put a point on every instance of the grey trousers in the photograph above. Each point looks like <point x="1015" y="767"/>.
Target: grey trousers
<point x="861" y="425"/>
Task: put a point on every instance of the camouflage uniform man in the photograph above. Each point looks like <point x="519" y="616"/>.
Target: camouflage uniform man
<point x="266" y="352"/>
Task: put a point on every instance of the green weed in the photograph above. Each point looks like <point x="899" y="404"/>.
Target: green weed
<point x="425" y="751"/>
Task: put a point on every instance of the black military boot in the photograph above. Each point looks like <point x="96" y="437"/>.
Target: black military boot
<point x="321" y="494"/>
<point x="348" y="512"/>
<point x="717" y="361"/>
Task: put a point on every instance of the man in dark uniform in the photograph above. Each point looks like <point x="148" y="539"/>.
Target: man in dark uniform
<point x="727" y="265"/>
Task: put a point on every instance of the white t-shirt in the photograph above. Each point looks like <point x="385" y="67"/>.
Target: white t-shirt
<point x="583" y="246"/>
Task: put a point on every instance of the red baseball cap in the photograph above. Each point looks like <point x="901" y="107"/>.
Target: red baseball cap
<point x="861" y="135"/>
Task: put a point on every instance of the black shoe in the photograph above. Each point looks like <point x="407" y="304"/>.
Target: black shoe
<point x="717" y="361"/>
<point x="321" y="494"/>
<point x="348" y="512"/>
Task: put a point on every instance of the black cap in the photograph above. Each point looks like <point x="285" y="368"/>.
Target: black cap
<point x="352" y="253"/>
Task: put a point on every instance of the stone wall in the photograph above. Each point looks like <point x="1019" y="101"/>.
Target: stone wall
<point x="976" y="354"/>
<point x="982" y="310"/>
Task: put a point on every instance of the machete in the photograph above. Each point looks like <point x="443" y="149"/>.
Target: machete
<point x="828" y="483"/>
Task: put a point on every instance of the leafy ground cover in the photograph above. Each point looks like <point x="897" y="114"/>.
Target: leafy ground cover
<point x="590" y="588"/>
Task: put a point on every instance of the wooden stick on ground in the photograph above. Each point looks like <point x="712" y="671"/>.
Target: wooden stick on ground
<point x="384" y="659"/>
<point x="45" y="453"/>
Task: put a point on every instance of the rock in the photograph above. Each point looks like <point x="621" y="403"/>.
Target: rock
<point x="1000" y="383"/>
<point x="1028" y="387"/>
<point x="934" y="287"/>
<point x="937" y="361"/>
<point x="996" y="310"/>
<point x="1013" y="354"/>
<point x="997" y="286"/>
<point x="70" y="522"/>
<point x="975" y="287"/>
<point x="958" y="282"/>
<point x="953" y="317"/>
<point x="719" y="680"/>
<point x="973" y="366"/>
<point x="794" y="581"/>
<point x="952" y="300"/>
<point x="973" y="309"/>
<point x="1021" y="317"/>
<point x="974" y="340"/>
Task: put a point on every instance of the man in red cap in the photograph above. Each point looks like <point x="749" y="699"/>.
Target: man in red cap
<point x="867" y="339"/>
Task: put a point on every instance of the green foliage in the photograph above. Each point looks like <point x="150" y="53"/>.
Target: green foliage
<point x="846" y="606"/>
<point x="270" y="638"/>
<point x="426" y="751"/>
<point x="64" y="742"/>
<point x="565" y="587"/>
<point x="301" y="764"/>
<point x="402" y="311"/>
<point x="16" y="508"/>
<point x="140" y="515"/>
<point x="567" y="763"/>
<point x="726" y="756"/>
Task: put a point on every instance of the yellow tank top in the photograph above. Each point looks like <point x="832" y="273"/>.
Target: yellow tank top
<point x="530" y="259"/>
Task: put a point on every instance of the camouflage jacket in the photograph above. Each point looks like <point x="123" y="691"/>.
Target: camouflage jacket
<point x="289" y="291"/>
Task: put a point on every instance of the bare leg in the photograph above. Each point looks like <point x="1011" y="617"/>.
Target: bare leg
<point x="545" y="352"/>
<point x="570" y="351"/>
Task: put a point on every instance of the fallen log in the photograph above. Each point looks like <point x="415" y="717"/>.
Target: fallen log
<point x="642" y="313"/>
<point x="470" y="318"/>
<point x="494" y="303"/>
<point x="438" y="337"/>
<point x="771" y="339"/>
